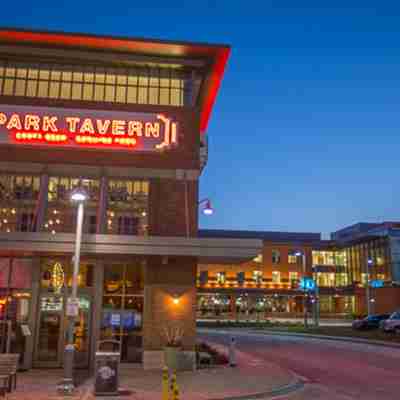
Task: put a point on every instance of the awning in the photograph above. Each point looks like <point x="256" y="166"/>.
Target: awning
<point x="207" y="250"/>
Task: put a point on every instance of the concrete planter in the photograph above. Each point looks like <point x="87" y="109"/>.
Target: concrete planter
<point x="172" y="357"/>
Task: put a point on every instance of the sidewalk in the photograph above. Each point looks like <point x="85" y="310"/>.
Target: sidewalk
<point x="251" y="377"/>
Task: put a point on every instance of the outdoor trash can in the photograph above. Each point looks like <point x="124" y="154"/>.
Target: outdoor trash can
<point x="107" y="360"/>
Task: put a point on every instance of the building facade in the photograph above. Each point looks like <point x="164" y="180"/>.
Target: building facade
<point x="269" y="285"/>
<point x="126" y="119"/>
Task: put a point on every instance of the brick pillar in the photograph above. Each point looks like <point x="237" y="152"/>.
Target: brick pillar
<point x="164" y="278"/>
<point x="233" y="313"/>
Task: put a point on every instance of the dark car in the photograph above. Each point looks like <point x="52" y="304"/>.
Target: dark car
<point x="370" y="322"/>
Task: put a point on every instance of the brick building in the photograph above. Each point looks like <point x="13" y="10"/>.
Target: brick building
<point x="126" y="119"/>
<point x="268" y="286"/>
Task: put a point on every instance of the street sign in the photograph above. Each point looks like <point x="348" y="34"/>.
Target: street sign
<point x="72" y="307"/>
<point x="307" y="284"/>
<point x="377" y="283"/>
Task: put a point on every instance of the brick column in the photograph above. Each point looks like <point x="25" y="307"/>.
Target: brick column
<point x="165" y="277"/>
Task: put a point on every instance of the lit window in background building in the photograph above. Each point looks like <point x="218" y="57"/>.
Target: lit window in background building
<point x="325" y="279"/>
<point x="293" y="277"/>
<point x="61" y="212"/>
<point x="329" y="258"/>
<point x="127" y="210"/>
<point x="276" y="277"/>
<point x="221" y="278"/>
<point x="364" y="279"/>
<point x="258" y="277"/>
<point x="342" y="279"/>
<point x="292" y="258"/>
<point x="258" y="259"/>
<point x="18" y="202"/>
<point x="276" y="256"/>
<point x="380" y="260"/>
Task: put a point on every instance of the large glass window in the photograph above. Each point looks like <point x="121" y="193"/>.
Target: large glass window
<point x="61" y="211"/>
<point x="56" y="274"/>
<point x="292" y="257"/>
<point x="123" y="308"/>
<point x="325" y="279"/>
<point x="258" y="277"/>
<point x="18" y="202"/>
<point x="293" y="277"/>
<point x="276" y="277"/>
<point x="329" y="258"/>
<point x="134" y="85"/>
<point x="276" y="256"/>
<point x="127" y="209"/>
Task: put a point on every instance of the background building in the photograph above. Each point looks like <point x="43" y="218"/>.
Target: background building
<point x="268" y="286"/>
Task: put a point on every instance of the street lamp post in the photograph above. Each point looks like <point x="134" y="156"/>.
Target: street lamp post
<point x="367" y="288"/>
<point x="78" y="196"/>
<point x="303" y="260"/>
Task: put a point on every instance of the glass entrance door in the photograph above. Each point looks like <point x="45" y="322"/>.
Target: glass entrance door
<point x="50" y="330"/>
<point x="51" y="334"/>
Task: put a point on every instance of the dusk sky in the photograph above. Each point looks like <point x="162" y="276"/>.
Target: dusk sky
<point x="304" y="135"/>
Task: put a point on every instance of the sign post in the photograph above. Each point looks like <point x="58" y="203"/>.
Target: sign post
<point x="309" y="285"/>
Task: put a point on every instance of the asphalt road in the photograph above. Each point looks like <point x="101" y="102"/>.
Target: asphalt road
<point x="332" y="370"/>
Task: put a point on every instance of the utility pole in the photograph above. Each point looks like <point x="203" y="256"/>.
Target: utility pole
<point x="367" y="288"/>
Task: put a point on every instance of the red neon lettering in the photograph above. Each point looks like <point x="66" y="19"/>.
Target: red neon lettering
<point x="14" y="122"/>
<point x="87" y="126"/>
<point x="72" y="122"/>
<point x="32" y="122"/>
<point x="3" y="118"/>
<point x="49" y="123"/>
<point x="152" y="129"/>
<point x="102" y="126"/>
<point x="118" y="127"/>
<point x="135" y="128"/>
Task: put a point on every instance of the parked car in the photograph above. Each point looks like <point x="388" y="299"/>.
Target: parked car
<point x="392" y="324"/>
<point x="370" y="322"/>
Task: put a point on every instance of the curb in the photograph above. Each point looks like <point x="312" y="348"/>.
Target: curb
<point x="288" y="388"/>
<point x="279" y="391"/>
<point x="333" y="338"/>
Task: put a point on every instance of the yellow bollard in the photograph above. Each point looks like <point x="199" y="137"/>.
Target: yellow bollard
<point x="165" y="384"/>
<point x="175" y="394"/>
<point x="173" y="386"/>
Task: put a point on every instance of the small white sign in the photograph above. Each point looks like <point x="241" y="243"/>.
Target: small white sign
<point x="115" y="320"/>
<point x="25" y="330"/>
<point x="72" y="307"/>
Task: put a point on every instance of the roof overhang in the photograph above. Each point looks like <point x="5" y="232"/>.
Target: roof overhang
<point x="216" y="54"/>
<point x="206" y="250"/>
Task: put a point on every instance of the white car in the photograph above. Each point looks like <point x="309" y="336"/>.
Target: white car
<point x="392" y="324"/>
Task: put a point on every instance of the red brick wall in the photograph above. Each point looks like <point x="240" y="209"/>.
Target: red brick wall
<point x="167" y="214"/>
<point x="266" y="266"/>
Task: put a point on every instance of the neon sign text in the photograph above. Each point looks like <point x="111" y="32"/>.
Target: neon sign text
<point x="87" y="128"/>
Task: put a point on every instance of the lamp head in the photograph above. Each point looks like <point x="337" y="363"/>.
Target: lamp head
<point x="298" y="253"/>
<point x="79" y="195"/>
<point x="370" y="261"/>
<point x="208" y="210"/>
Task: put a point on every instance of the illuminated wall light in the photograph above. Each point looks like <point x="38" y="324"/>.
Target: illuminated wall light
<point x="13" y="211"/>
<point x="175" y="299"/>
<point x="46" y="225"/>
<point x="58" y="221"/>
<point x="5" y="221"/>
<point x="53" y="232"/>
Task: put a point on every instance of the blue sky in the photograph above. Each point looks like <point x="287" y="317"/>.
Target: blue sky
<point x="305" y="132"/>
